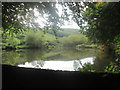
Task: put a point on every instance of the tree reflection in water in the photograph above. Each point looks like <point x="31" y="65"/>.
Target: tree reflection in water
<point x="71" y="60"/>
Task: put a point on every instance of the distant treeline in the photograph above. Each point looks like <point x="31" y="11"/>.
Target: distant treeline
<point x="44" y="39"/>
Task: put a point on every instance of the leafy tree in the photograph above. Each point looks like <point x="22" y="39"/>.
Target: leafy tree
<point x="20" y="16"/>
<point x="37" y="39"/>
<point x="102" y="20"/>
<point x="16" y="16"/>
<point x="12" y="42"/>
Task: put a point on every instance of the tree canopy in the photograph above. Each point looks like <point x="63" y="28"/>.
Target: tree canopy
<point x="100" y="21"/>
<point x="102" y="18"/>
<point x="16" y="16"/>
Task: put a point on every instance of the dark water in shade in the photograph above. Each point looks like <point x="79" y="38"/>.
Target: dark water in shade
<point x="64" y="59"/>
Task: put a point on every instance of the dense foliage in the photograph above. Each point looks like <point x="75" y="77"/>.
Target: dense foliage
<point x="16" y="16"/>
<point x="73" y="40"/>
<point x="117" y="41"/>
<point x="40" y="39"/>
<point x="87" y="67"/>
<point x="100" y="21"/>
<point x="113" y="67"/>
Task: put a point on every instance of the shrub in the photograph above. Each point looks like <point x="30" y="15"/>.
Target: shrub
<point x="34" y="39"/>
<point x="117" y="40"/>
<point x="87" y="67"/>
<point x="12" y="42"/>
<point x="73" y="40"/>
<point x="113" y="67"/>
<point x="38" y="39"/>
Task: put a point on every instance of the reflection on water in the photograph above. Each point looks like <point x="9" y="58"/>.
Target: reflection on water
<point x="64" y="59"/>
<point x="72" y="65"/>
<point x="28" y="55"/>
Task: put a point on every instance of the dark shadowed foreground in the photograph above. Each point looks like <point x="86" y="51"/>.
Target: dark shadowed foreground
<point x="18" y="77"/>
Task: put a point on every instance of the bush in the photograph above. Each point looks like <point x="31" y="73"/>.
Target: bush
<point x="87" y="67"/>
<point x="113" y="67"/>
<point x="38" y="39"/>
<point x="73" y="40"/>
<point x="117" y="40"/>
<point x="12" y="42"/>
<point x="34" y="39"/>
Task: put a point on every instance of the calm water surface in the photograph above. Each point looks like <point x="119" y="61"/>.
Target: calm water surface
<point x="64" y="59"/>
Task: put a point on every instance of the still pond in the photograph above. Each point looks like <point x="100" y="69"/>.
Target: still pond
<point x="63" y="59"/>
